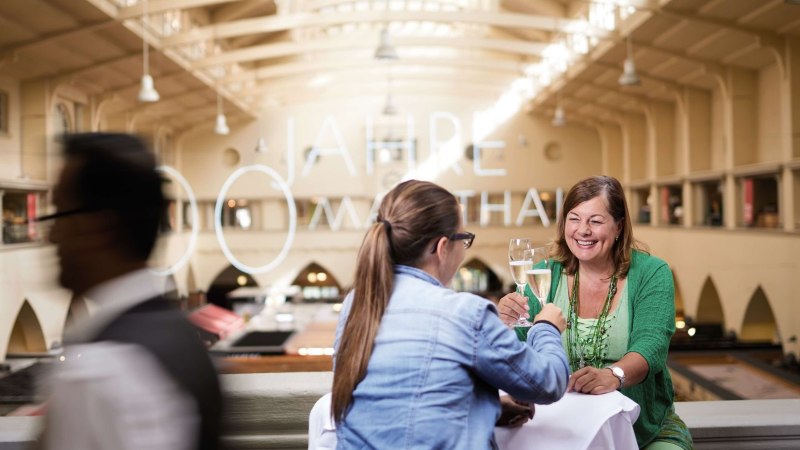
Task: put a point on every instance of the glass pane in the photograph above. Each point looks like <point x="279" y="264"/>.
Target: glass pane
<point x="19" y="210"/>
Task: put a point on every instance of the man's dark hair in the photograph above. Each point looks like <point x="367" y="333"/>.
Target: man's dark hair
<point x="117" y="173"/>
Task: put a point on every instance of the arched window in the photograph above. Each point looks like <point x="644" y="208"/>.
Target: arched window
<point x="709" y="308"/>
<point x="228" y="280"/>
<point x="759" y="321"/>
<point x="318" y="284"/>
<point x="475" y="276"/>
<point x="26" y="335"/>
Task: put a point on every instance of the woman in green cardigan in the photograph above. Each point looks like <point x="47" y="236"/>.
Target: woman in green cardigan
<point x="620" y="307"/>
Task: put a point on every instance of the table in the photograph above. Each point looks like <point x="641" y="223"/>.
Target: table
<point x="576" y="422"/>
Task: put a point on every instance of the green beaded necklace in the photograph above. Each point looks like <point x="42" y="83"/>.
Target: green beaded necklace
<point x="579" y="357"/>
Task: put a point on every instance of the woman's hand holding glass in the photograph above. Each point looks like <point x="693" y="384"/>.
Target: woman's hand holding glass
<point x="520" y="261"/>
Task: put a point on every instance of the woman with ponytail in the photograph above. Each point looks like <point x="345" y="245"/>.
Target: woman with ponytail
<point x="418" y="365"/>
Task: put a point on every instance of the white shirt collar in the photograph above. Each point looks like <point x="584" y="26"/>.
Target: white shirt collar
<point x="112" y="298"/>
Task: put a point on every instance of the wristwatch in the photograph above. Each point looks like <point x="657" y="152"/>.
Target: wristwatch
<point x="619" y="373"/>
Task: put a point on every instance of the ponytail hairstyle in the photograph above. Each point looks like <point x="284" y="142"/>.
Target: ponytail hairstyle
<point x="411" y="217"/>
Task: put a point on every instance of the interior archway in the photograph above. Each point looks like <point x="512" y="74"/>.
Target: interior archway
<point x="709" y="307"/>
<point x="318" y="284"/>
<point x="759" y="321"/>
<point x="476" y="276"/>
<point x="710" y="320"/>
<point x="26" y="334"/>
<point x="229" y="279"/>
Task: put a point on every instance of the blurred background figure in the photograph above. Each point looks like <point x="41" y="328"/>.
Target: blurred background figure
<point x="134" y="374"/>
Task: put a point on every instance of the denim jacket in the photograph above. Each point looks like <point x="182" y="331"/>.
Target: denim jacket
<point x="438" y="361"/>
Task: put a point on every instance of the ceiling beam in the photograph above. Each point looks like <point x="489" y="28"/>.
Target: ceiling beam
<point x="69" y="75"/>
<point x="270" y="24"/>
<point x="160" y="6"/>
<point x="54" y="37"/>
<point x="283" y="49"/>
<point x="618" y="90"/>
<point x="380" y="77"/>
<point x="717" y="23"/>
<point x="589" y="102"/>
<point x="547" y="7"/>
<point x="664" y="83"/>
<point x="355" y="90"/>
<point x="707" y="63"/>
<point x="233" y="11"/>
<point x="507" y="67"/>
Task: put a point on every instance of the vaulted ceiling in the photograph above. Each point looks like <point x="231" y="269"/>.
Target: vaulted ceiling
<point x="268" y="52"/>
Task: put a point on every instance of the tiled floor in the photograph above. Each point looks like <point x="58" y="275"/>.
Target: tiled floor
<point x="746" y="381"/>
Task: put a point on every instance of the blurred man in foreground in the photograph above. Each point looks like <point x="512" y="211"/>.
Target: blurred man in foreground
<point x="134" y="374"/>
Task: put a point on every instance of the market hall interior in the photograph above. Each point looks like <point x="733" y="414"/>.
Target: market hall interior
<point x="280" y="124"/>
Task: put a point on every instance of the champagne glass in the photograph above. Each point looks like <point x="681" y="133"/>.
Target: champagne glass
<point x="538" y="276"/>
<point x="520" y="260"/>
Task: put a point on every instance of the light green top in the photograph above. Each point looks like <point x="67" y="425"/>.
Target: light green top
<point x="616" y="339"/>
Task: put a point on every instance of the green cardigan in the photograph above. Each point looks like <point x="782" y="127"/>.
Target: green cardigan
<point x="651" y="299"/>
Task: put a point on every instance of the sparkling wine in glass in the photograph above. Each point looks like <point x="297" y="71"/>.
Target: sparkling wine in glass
<point x="520" y="260"/>
<point x="539" y="275"/>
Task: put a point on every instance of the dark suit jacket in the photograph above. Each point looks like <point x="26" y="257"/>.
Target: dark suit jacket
<point x="173" y="341"/>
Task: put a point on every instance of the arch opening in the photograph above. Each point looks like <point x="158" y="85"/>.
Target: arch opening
<point x="759" y="323"/>
<point x="227" y="281"/>
<point x="477" y="277"/>
<point x="317" y="284"/>
<point x="26" y="334"/>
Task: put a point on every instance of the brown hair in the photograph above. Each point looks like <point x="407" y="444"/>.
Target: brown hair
<point x="410" y="218"/>
<point x="611" y="191"/>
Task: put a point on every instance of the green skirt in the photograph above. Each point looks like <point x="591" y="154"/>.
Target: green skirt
<point x="673" y="431"/>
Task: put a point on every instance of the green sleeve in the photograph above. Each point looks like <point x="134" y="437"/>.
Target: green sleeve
<point x="652" y="322"/>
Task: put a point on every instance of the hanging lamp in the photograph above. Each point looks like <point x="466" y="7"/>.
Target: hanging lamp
<point x="385" y="50"/>
<point x="629" y="76"/>
<point x="559" y="117"/>
<point x="261" y="144"/>
<point x="221" y="126"/>
<point x="389" y="109"/>
<point x="147" y="92"/>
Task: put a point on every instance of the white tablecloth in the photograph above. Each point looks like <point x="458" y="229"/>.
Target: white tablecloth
<point x="576" y="422"/>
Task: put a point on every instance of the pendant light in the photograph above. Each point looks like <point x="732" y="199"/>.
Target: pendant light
<point x="385" y="50"/>
<point x="148" y="92"/>
<point x="389" y="109"/>
<point x="559" y="117"/>
<point x="629" y="76"/>
<point x="261" y="144"/>
<point x="221" y="126"/>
